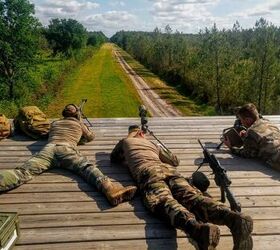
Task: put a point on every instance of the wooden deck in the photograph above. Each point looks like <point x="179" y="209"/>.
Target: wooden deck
<point x="58" y="210"/>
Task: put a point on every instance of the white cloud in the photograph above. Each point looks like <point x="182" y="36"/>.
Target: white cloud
<point x="183" y="14"/>
<point x="63" y="9"/>
<point x="111" y="21"/>
<point x="70" y="6"/>
<point x="184" y="1"/>
<point x="55" y="8"/>
<point x="269" y="7"/>
<point x="117" y="3"/>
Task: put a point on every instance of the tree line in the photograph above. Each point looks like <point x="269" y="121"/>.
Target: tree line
<point x="224" y="68"/>
<point x="27" y="49"/>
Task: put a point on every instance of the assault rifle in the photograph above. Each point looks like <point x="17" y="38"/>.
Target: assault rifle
<point x="145" y="128"/>
<point x="221" y="178"/>
<point x="80" y="110"/>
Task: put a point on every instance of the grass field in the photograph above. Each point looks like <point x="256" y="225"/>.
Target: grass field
<point x="187" y="106"/>
<point x="102" y="81"/>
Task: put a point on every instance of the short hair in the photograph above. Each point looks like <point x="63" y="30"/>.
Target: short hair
<point x="70" y="110"/>
<point x="133" y="128"/>
<point x="133" y="131"/>
<point x="248" y="110"/>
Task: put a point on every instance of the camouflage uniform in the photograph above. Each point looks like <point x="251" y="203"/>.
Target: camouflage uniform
<point x="262" y="141"/>
<point x="61" y="151"/>
<point x="165" y="192"/>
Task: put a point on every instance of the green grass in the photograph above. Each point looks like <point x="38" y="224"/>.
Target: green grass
<point x="101" y="80"/>
<point x="187" y="106"/>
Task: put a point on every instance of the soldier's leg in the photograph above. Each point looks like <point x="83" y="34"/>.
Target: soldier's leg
<point x="159" y="200"/>
<point x="208" y="210"/>
<point x="71" y="159"/>
<point x="42" y="161"/>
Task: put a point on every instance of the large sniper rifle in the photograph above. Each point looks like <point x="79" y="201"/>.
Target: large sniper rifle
<point x="221" y="178"/>
<point x="145" y="128"/>
<point x="80" y="110"/>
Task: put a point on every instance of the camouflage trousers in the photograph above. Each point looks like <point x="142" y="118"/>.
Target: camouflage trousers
<point x="173" y="199"/>
<point x="52" y="155"/>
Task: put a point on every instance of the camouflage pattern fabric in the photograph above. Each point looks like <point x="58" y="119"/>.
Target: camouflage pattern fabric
<point x="53" y="155"/>
<point x="164" y="191"/>
<point x="262" y="141"/>
<point x="61" y="151"/>
<point x="69" y="130"/>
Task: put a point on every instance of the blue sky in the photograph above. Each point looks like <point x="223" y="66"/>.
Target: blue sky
<point x="187" y="16"/>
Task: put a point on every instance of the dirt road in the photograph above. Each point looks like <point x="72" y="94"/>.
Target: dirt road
<point x="155" y="105"/>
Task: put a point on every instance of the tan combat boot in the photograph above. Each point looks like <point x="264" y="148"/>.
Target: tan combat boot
<point x="206" y="235"/>
<point x="116" y="193"/>
<point x="240" y="225"/>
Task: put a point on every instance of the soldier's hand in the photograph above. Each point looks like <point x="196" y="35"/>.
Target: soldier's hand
<point x="242" y="133"/>
<point x="227" y="142"/>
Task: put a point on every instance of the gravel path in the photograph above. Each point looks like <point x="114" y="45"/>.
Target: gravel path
<point x="155" y="105"/>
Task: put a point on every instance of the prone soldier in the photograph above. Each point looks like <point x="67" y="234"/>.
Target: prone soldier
<point x="261" y="139"/>
<point x="61" y="151"/>
<point x="167" y="194"/>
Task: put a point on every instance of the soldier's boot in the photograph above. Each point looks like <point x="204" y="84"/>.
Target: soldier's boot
<point x="206" y="235"/>
<point x="241" y="227"/>
<point x="116" y="193"/>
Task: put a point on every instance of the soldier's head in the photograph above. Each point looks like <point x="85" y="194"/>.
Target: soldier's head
<point x="71" y="110"/>
<point x="135" y="131"/>
<point x="248" y="114"/>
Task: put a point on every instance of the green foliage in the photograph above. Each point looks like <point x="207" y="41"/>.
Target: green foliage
<point x="19" y="35"/>
<point x="224" y="68"/>
<point x="66" y="36"/>
<point x="172" y="94"/>
<point x="45" y="83"/>
<point x="96" y="38"/>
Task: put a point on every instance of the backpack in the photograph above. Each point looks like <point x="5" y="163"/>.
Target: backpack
<point x="5" y="127"/>
<point x="33" y="122"/>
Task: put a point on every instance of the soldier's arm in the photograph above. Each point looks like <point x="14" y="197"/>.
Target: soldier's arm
<point x="87" y="134"/>
<point x="117" y="155"/>
<point x="250" y="149"/>
<point x="168" y="157"/>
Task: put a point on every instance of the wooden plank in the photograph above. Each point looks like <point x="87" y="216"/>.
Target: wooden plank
<point x="124" y="178"/>
<point x="268" y="242"/>
<point x="123" y="232"/>
<point x="103" y="206"/>
<point x="11" y="198"/>
<point x="113" y="217"/>
<point x="142" y="244"/>
<point x="237" y="189"/>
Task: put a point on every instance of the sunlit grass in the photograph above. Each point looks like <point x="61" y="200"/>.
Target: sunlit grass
<point x="102" y="81"/>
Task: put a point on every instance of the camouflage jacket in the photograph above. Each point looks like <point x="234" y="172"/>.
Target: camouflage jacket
<point x="146" y="161"/>
<point x="262" y="141"/>
<point x="69" y="130"/>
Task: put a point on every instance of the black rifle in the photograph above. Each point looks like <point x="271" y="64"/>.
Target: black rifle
<point x="145" y="128"/>
<point x="80" y="109"/>
<point x="221" y="178"/>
